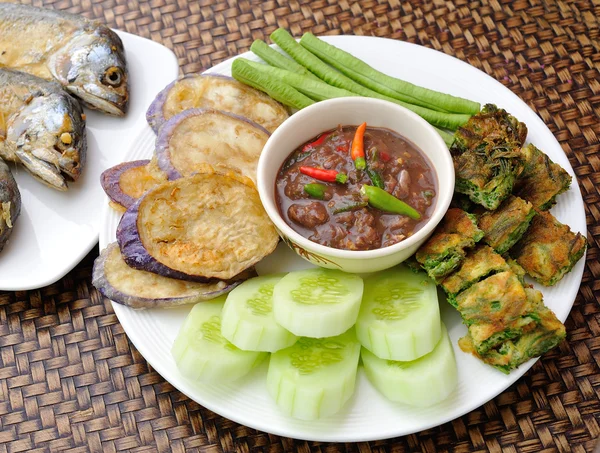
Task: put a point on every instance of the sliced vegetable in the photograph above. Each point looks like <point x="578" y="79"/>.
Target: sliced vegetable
<point x="332" y="77"/>
<point x="215" y="91"/>
<point x="399" y="317"/>
<point x="278" y="90"/>
<point x="203" y="354"/>
<point x="357" y="152"/>
<point x="375" y="178"/>
<point x="198" y="140"/>
<point x="324" y="175"/>
<point x="315" y="190"/>
<point x="140" y="289"/>
<point x="274" y="58"/>
<point x="197" y="228"/>
<point x="345" y="207"/>
<point x="314" y="89"/>
<point x="364" y="74"/>
<point x="319" y="141"/>
<point x="247" y="318"/>
<point x="315" y="377"/>
<point x="317" y="302"/>
<point x="380" y="199"/>
<point x="126" y="182"/>
<point x="422" y="382"/>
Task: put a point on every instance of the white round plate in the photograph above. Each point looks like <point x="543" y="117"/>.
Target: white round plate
<point x="367" y="416"/>
<point x="57" y="229"/>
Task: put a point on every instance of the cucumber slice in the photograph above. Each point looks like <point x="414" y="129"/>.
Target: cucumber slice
<point x="400" y="316"/>
<point x="315" y="377"/>
<point x="247" y="318"/>
<point x="202" y="353"/>
<point x="422" y="382"/>
<point x="317" y="302"/>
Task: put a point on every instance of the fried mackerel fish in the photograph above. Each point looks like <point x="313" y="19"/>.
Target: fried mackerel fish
<point x="541" y="180"/>
<point x="486" y="155"/>
<point x="537" y="338"/>
<point x="548" y="249"/>
<point x="446" y="248"/>
<point x="506" y="225"/>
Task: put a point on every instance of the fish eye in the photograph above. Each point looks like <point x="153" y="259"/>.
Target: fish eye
<point x="113" y="76"/>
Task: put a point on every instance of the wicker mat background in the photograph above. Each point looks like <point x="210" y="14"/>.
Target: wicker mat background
<point x="71" y="381"/>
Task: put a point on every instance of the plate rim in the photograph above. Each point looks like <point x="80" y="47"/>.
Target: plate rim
<point x="290" y="432"/>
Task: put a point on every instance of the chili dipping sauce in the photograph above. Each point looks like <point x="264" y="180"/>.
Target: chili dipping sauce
<point x="338" y="215"/>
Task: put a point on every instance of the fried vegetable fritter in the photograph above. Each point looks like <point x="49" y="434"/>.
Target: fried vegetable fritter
<point x="479" y="264"/>
<point x="546" y="334"/>
<point x="445" y="249"/>
<point x="495" y="309"/>
<point x="548" y="249"/>
<point x="487" y="156"/>
<point x="487" y="130"/>
<point x="541" y="180"/>
<point x="507" y="224"/>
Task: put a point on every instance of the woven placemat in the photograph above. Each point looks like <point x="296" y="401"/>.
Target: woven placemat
<point x="71" y="381"/>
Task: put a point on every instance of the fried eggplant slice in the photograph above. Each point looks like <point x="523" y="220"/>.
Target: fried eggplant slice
<point x="487" y="158"/>
<point x="488" y="129"/>
<point x="507" y="224"/>
<point x="547" y="333"/>
<point x="446" y="248"/>
<point x="548" y="249"/>
<point x="495" y="309"/>
<point x="479" y="264"/>
<point x="541" y="180"/>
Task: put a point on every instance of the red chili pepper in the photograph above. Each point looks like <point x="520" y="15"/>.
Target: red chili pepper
<point x="385" y="157"/>
<point x="317" y="142"/>
<point x="324" y="175"/>
<point x="358" y="147"/>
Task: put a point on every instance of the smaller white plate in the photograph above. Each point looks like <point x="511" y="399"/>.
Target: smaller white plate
<point x="57" y="229"/>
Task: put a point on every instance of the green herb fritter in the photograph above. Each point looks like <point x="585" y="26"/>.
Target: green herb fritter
<point x="495" y="309"/>
<point x="487" y="156"/>
<point x="541" y="180"/>
<point x="480" y="263"/>
<point x="548" y="249"/>
<point x="538" y="338"/>
<point x="446" y="248"/>
<point x="507" y="224"/>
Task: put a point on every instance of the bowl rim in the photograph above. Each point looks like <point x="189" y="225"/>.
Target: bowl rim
<point x="267" y="194"/>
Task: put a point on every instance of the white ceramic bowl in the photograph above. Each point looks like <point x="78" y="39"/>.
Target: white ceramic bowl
<point x="326" y="115"/>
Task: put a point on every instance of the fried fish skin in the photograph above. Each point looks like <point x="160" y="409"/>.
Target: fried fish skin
<point x="86" y="57"/>
<point x="507" y="224"/>
<point x="548" y="249"/>
<point x="495" y="309"/>
<point x="541" y="180"/>
<point x="480" y="263"/>
<point x="547" y="333"/>
<point x="445" y="249"/>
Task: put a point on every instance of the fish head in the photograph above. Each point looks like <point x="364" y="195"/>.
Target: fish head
<point x="49" y="138"/>
<point x="93" y="68"/>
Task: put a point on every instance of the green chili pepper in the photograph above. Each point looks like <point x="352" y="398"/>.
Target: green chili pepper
<point x="380" y="199"/>
<point x="375" y="178"/>
<point x="350" y="207"/>
<point x="315" y="190"/>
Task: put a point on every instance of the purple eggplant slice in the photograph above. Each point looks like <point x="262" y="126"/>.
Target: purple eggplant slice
<point x="126" y="182"/>
<point x="197" y="228"/>
<point x="199" y="140"/>
<point x="219" y="92"/>
<point x="140" y="289"/>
